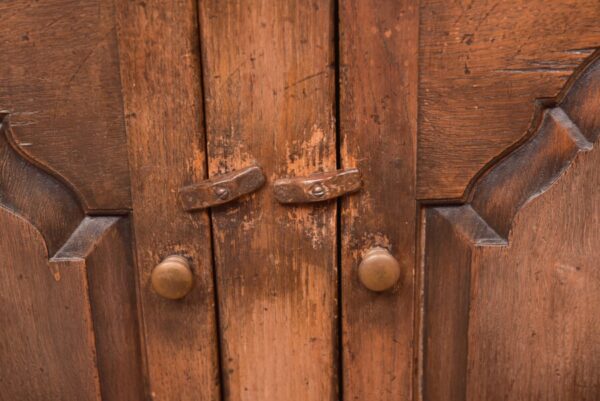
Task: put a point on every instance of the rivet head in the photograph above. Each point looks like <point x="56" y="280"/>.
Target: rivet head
<point x="379" y="270"/>
<point x="172" y="278"/>
<point x="317" y="190"/>
<point x="222" y="192"/>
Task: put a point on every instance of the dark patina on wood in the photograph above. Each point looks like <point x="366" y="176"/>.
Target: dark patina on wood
<point x="64" y="277"/>
<point x="516" y="265"/>
<point x="317" y="187"/>
<point x="221" y="189"/>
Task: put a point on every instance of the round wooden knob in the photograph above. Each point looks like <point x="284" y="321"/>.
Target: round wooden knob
<point x="379" y="270"/>
<point x="172" y="278"/>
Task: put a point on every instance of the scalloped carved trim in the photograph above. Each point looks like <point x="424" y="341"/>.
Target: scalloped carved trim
<point x="35" y="194"/>
<point x="567" y="127"/>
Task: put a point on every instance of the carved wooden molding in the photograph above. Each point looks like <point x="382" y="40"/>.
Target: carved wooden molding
<point x="465" y="243"/>
<point x="36" y="193"/>
<point x="566" y="127"/>
<point x="64" y="278"/>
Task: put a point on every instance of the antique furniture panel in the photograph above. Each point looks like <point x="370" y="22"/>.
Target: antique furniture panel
<point x="482" y="65"/>
<point x="378" y="112"/>
<point x="512" y="283"/>
<point x="67" y="293"/>
<point x="36" y="305"/>
<point x="160" y="69"/>
<point x="269" y="73"/>
<point x="59" y="78"/>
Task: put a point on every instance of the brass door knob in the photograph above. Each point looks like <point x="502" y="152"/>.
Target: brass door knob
<point x="379" y="270"/>
<point x="172" y="278"/>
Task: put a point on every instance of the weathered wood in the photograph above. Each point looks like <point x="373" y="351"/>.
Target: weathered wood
<point x="378" y="65"/>
<point x="159" y="54"/>
<point x="103" y="245"/>
<point x="81" y="302"/>
<point x="35" y="194"/>
<point x="482" y="65"/>
<point x="268" y="69"/>
<point x="60" y="80"/>
<point x="448" y="288"/>
<point x="317" y="187"/>
<point x="512" y="289"/>
<point x="221" y="188"/>
<point x="47" y="344"/>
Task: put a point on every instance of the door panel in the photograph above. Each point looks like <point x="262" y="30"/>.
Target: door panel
<point x="104" y="244"/>
<point x="482" y="65"/>
<point x="274" y="149"/>
<point x="36" y="304"/>
<point x="512" y="279"/>
<point x="62" y="337"/>
<point x="160" y="70"/>
<point x="269" y="87"/>
<point x="378" y="108"/>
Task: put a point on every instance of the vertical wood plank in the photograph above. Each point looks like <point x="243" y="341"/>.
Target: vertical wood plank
<point x="160" y="69"/>
<point x="47" y="344"/>
<point x="105" y="243"/>
<point x="268" y="69"/>
<point x="378" y="107"/>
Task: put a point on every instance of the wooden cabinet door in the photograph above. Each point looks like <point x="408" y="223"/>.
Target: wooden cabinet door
<point x="511" y="279"/>
<point x="299" y="200"/>
<point x="68" y="318"/>
<point x="509" y="271"/>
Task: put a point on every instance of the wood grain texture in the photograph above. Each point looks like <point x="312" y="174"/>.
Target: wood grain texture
<point x="47" y="344"/>
<point x="529" y="326"/>
<point x="482" y="65"/>
<point x="81" y="302"/>
<point x="103" y="244"/>
<point x="163" y="105"/>
<point x="35" y="194"/>
<point x="268" y="69"/>
<point x="378" y="106"/>
<point x="60" y="81"/>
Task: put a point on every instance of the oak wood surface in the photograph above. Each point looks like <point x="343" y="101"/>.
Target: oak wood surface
<point x="79" y="302"/>
<point x="481" y="66"/>
<point x="35" y="194"/>
<point x="103" y="244"/>
<point x="378" y="109"/>
<point x="438" y="100"/>
<point x="60" y="81"/>
<point x="160" y="70"/>
<point x="512" y="288"/>
<point x="269" y="89"/>
<point x="47" y="344"/>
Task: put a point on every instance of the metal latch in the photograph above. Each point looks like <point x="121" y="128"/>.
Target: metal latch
<point x="317" y="187"/>
<point x="221" y="189"/>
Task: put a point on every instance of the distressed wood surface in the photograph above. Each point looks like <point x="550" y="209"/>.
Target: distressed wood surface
<point x="163" y="107"/>
<point x="60" y="81"/>
<point x="269" y="75"/>
<point x="35" y="194"/>
<point x="378" y="106"/>
<point x="47" y="343"/>
<point x="512" y="289"/>
<point x="482" y="65"/>
<point x="103" y="246"/>
<point x="69" y="323"/>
